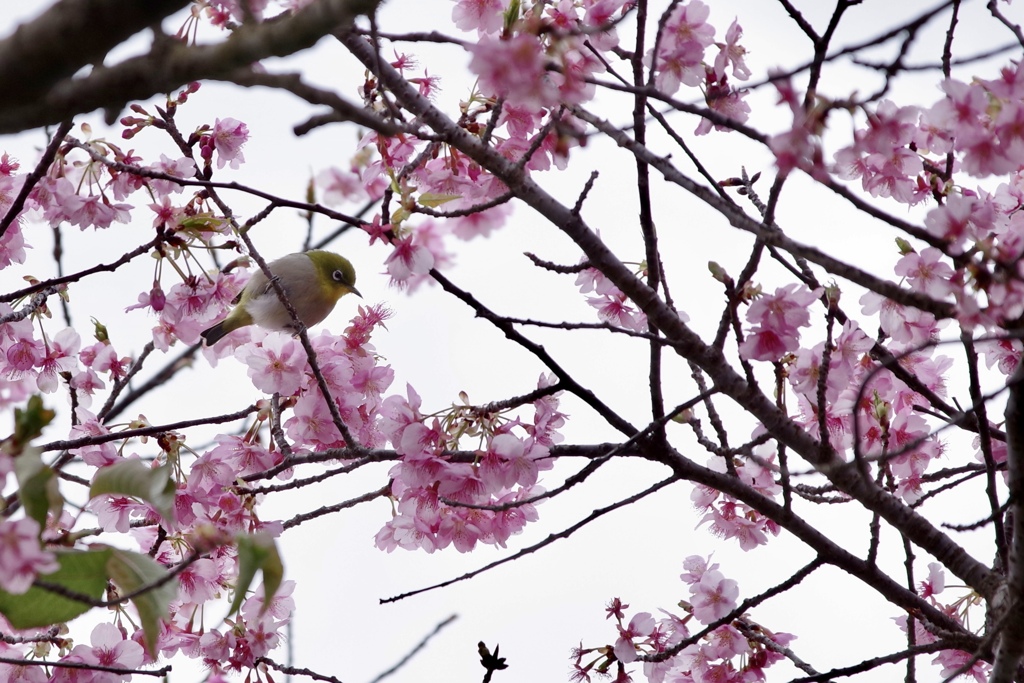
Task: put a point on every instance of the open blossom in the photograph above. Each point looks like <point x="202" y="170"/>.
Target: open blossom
<point x="927" y="272"/>
<point x="640" y="626"/>
<point x="276" y="365"/>
<point x="680" y="58"/>
<point x="59" y="358"/>
<point x="713" y="597"/>
<point x="612" y="305"/>
<point x="777" y="319"/>
<point x="94" y="211"/>
<point x="904" y="324"/>
<point x="485" y="16"/>
<point x="339" y="185"/>
<point x="732" y="53"/>
<point x="227" y="138"/>
<point x="179" y="168"/>
<point x="109" y="648"/>
<point x="936" y="581"/>
<point x="21" y="557"/>
<point x="689" y="23"/>
<point x="960" y="218"/>
<point x="114" y="513"/>
<point x="722" y="99"/>
<point x="408" y="258"/>
<point x="12" y="242"/>
<point x="514" y="69"/>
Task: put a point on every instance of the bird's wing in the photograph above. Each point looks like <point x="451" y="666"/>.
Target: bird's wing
<point x="258" y="285"/>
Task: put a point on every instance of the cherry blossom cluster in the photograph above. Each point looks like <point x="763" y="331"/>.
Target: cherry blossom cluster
<point x="31" y="362"/>
<point x="869" y="411"/>
<point x="81" y="189"/>
<point x="915" y="154"/>
<point x="538" y="57"/>
<point x="953" y="662"/>
<point x="613" y="307"/>
<point x="530" y="60"/>
<point x="680" y="57"/>
<point x="731" y="649"/>
<point x="21" y="557"/>
<point x="472" y="475"/>
<point x="729" y="518"/>
<point x="447" y="501"/>
<point x="352" y="372"/>
<point x="91" y="184"/>
<point x="254" y="633"/>
<point x="912" y="155"/>
<point x="109" y="646"/>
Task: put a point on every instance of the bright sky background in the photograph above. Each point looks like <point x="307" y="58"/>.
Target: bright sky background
<point x="542" y="605"/>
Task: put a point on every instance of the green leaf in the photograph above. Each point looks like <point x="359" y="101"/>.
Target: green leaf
<point x="399" y="215"/>
<point x="134" y="571"/>
<point x="257" y="551"/>
<point x="81" y="572"/>
<point x="433" y="200"/>
<point x="28" y="424"/>
<point x="37" y="486"/>
<point x="135" y="478"/>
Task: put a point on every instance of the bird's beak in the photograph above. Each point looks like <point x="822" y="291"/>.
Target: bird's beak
<point x="355" y="291"/>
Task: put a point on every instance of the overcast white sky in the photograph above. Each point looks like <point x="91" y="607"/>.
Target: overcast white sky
<point x="541" y="606"/>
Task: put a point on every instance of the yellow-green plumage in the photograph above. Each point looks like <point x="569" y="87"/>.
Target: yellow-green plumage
<point x="312" y="280"/>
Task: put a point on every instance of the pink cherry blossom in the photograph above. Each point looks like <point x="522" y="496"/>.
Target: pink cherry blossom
<point x="732" y="53"/>
<point x="227" y="138"/>
<point x="114" y="513"/>
<point x="21" y="557"/>
<point x="713" y="597"/>
<point x="927" y="272"/>
<point x="640" y="626"/>
<point x="936" y="581"/>
<point x="181" y="167"/>
<point x="408" y="259"/>
<point x="777" y="319"/>
<point x="12" y="246"/>
<point x="339" y="186"/>
<point x="276" y="364"/>
<point x="513" y="68"/>
<point x="484" y="16"/>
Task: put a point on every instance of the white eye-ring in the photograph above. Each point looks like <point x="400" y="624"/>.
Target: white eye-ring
<point x="338" y="276"/>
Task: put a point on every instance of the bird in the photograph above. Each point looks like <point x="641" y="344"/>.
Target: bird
<point x="313" y="281"/>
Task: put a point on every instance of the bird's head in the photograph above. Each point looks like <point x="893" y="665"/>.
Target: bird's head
<point x="334" y="270"/>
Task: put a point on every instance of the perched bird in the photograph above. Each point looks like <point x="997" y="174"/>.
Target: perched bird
<point x="313" y="280"/>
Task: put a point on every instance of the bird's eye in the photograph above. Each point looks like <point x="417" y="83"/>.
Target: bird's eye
<point x="338" y="277"/>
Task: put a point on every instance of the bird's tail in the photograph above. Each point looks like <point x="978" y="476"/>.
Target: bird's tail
<point x="215" y="333"/>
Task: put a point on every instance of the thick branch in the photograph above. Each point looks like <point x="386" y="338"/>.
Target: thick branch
<point x="68" y="36"/>
<point x="168" y="65"/>
<point x="1011" y="639"/>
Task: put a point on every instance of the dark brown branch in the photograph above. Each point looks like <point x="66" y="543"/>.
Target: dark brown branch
<point x="85" y="666"/>
<point x="70" y="35"/>
<point x="293" y="83"/>
<point x="36" y="175"/>
<point x="167" y="66"/>
<point x="337" y="507"/>
<point x="75" y="277"/>
<point x="419" y="646"/>
<point x="154" y="430"/>
<point x="1010" y="643"/>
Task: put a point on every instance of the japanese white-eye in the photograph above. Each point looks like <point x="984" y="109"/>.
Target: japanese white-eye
<point x="312" y="280"/>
